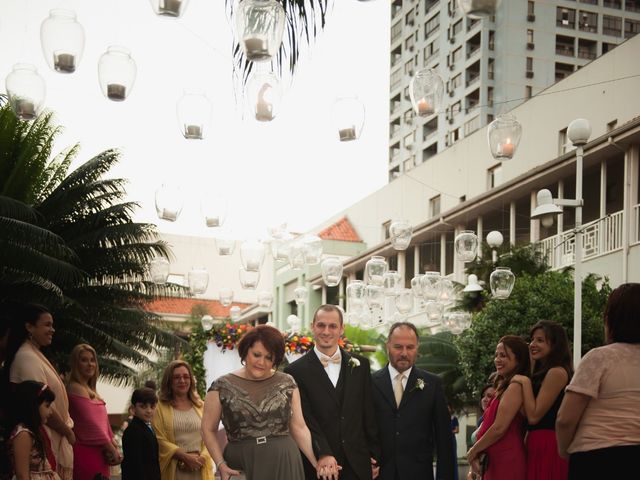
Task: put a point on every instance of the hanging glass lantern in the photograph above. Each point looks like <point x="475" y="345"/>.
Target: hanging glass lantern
<point x="425" y="90"/>
<point x="450" y="322"/>
<point x="207" y="322"/>
<point x="234" y="313"/>
<point x="301" y="295"/>
<point x="169" y="8"/>
<point x="226" y="296"/>
<point x="464" y="320"/>
<point x="375" y="296"/>
<point x="294" y="323"/>
<point x="168" y="202"/>
<point x="374" y="270"/>
<point x="194" y="114"/>
<point x="331" y="268"/>
<point x="503" y="135"/>
<point x="159" y="269"/>
<point x="225" y="246"/>
<point x="431" y="285"/>
<point x="479" y="8"/>
<point x="354" y="318"/>
<point x="404" y="301"/>
<point x="249" y="279"/>
<point x="447" y="291"/>
<point x="260" y="25"/>
<point x="117" y="73"/>
<point x="198" y="279"/>
<point x="466" y="245"/>
<point x="502" y="281"/>
<point x="416" y="288"/>
<point x="265" y="96"/>
<point x="348" y="117"/>
<point x="214" y="209"/>
<point x="391" y="281"/>
<point x="252" y="255"/>
<point x="62" y="39"/>
<point x="434" y="311"/>
<point x="26" y="91"/>
<point x="355" y="294"/>
<point x="295" y="254"/>
<point x="265" y="299"/>
<point x="281" y="248"/>
<point x="312" y="249"/>
<point x="400" y="233"/>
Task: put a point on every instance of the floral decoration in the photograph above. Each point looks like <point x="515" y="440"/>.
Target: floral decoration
<point x="297" y="343"/>
<point x="353" y="362"/>
<point x="419" y="385"/>
<point x="227" y="336"/>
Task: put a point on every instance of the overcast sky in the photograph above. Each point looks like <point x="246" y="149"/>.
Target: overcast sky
<point x="291" y="170"/>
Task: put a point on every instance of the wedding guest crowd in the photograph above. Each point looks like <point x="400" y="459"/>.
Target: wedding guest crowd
<point x="327" y="416"/>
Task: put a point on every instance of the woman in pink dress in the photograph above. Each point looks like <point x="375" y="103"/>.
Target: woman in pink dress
<point x="95" y="449"/>
<point x="501" y="435"/>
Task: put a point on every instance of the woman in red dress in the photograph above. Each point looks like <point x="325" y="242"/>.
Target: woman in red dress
<point x="501" y="435"/>
<point x="543" y="394"/>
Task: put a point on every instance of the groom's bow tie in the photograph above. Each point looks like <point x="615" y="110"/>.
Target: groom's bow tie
<point x="325" y="361"/>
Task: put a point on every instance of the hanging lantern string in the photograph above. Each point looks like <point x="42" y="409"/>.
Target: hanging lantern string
<point x="543" y="93"/>
<point x="204" y="41"/>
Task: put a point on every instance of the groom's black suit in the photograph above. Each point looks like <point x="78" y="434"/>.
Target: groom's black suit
<point x="341" y="418"/>
<point x="410" y="432"/>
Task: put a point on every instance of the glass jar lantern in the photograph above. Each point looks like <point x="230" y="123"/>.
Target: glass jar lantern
<point x="26" y="90"/>
<point x="404" y="301"/>
<point x="260" y="25"/>
<point x="391" y="281"/>
<point x="431" y="285"/>
<point x="400" y="233"/>
<point x="117" y="73"/>
<point x="331" y="268"/>
<point x="502" y="281"/>
<point x="301" y="295"/>
<point x="434" y="311"/>
<point x="375" y="295"/>
<point x="198" y="279"/>
<point x="225" y="246"/>
<point x="159" y="269"/>
<point x="374" y="270"/>
<point x="234" y="313"/>
<point x="62" y="39"/>
<point x="425" y="90"/>
<point x="169" y="8"/>
<point x="294" y="323"/>
<point x="207" y="322"/>
<point x="249" y="278"/>
<point x="479" y="8"/>
<point x="265" y="96"/>
<point x="503" y="135"/>
<point x="214" y="210"/>
<point x="168" y="202"/>
<point x="265" y="299"/>
<point x="416" y="288"/>
<point x="252" y="255"/>
<point x="225" y="295"/>
<point x="194" y="114"/>
<point x="466" y="245"/>
<point x="348" y="117"/>
<point x="312" y="249"/>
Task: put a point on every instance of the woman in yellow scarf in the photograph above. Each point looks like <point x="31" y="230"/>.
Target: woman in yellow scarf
<point x="176" y="423"/>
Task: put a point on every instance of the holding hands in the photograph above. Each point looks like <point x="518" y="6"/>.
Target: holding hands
<point x="328" y="468"/>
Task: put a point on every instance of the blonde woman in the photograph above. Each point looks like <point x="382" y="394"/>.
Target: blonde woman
<point x="176" y="422"/>
<point x="95" y="449"/>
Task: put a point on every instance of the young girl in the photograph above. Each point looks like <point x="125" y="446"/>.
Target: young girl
<point x="32" y="408"/>
<point x="542" y="395"/>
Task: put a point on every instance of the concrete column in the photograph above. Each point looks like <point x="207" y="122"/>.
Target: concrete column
<point x="534" y="225"/>
<point x="341" y="293"/>
<point x="512" y="223"/>
<point x="602" y="235"/>
<point x="401" y="265"/>
<point x="280" y="315"/>
<point x="630" y="198"/>
<point x="416" y="260"/>
<point x="443" y="254"/>
<point x="324" y="294"/>
<point x="480" y="234"/>
<point x="560" y="218"/>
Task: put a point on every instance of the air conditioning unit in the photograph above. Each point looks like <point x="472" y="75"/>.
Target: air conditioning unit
<point x="408" y="120"/>
<point x="529" y="74"/>
<point x="452" y="39"/>
<point x="410" y="72"/>
<point x="530" y="46"/>
<point x="409" y="147"/>
<point x="452" y="92"/>
<point x="450" y="120"/>
<point x="411" y="48"/>
<point x="531" y="18"/>
<point x="411" y="21"/>
<point x="452" y="66"/>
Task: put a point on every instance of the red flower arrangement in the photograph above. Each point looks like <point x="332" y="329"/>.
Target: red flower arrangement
<point x="296" y="343"/>
<point x="228" y="335"/>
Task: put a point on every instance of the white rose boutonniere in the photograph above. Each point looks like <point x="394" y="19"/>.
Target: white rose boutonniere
<point x="419" y="385"/>
<point x="353" y="363"/>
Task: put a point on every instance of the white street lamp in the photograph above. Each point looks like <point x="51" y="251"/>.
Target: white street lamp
<point x="494" y="240"/>
<point x="578" y="133"/>
<point x="472" y="285"/>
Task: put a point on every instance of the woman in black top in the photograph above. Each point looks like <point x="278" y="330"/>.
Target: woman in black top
<point x="543" y="393"/>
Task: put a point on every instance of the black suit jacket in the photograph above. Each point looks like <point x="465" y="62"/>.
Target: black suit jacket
<point x="410" y="433"/>
<point x="341" y="425"/>
<point x="140" y="452"/>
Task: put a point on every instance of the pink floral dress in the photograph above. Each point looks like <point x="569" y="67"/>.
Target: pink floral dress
<point x="39" y="467"/>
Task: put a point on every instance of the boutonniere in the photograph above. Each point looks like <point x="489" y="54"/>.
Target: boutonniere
<point x="353" y="363"/>
<point x="419" y="385"/>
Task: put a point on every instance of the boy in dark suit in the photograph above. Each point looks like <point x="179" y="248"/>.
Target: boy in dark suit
<point x="139" y="443"/>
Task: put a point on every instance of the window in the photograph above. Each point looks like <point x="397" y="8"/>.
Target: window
<point x="612" y="26"/>
<point x="408" y="67"/>
<point x="588" y="22"/>
<point x="490" y="68"/>
<point x="494" y="176"/>
<point x="457" y="27"/>
<point x="396" y="31"/>
<point x="565" y="17"/>
<point x="457" y="55"/>
<point x="528" y="91"/>
<point x="431" y="26"/>
<point x="454" y="136"/>
<point x="430" y="51"/>
<point x="455" y="82"/>
<point x="529" y="36"/>
<point x="607" y="47"/>
<point x="492" y="39"/>
<point x="409" y="18"/>
<point x="631" y="27"/>
<point x="531" y="8"/>
<point x="409" y="43"/>
<point x="385" y="229"/>
<point x="529" y="64"/>
<point x="408" y="140"/>
<point x="456" y="108"/>
<point x="434" y="206"/>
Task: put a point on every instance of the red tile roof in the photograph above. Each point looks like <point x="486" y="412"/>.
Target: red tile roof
<point x="342" y="230"/>
<point x="184" y="306"/>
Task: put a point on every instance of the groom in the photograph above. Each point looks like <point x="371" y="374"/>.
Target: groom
<point x="337" y="403"/>
<point x="412" y="413"/>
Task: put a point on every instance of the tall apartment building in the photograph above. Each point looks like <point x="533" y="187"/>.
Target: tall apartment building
<point x="491" y="65"/>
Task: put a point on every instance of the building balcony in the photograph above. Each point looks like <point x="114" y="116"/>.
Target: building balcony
<point x="588" y="54"/>
<point x="565" y="51"/>
<point x="600" y="237"/>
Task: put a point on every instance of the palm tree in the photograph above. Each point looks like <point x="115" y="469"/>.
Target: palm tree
<point x="302" y="18"/>
<point x="88" y="261"/>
